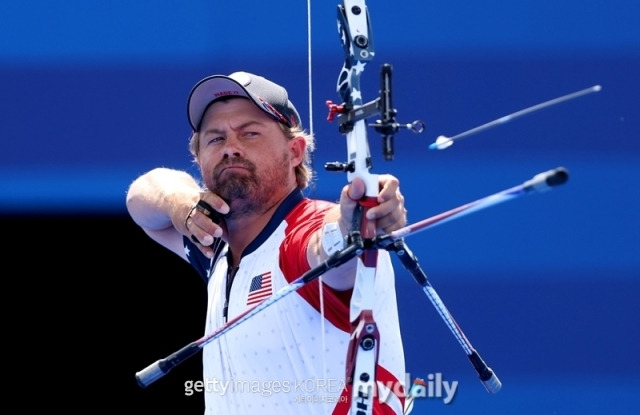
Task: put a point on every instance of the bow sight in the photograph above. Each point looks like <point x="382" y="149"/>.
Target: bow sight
<point x="387" y="126"/>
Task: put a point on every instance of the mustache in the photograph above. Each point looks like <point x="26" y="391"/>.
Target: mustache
<point x="232" y="163"/>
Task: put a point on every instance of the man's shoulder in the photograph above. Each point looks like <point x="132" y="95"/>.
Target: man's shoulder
<point x="318" y="203"/>
<point x="311" y="207"/>
<point x="307" y="213"/>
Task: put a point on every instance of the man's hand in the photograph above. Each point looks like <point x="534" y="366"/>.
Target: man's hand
<point x="390" y="213"/>
<point x="203" y="222"/>
<point x="387" y="216"/>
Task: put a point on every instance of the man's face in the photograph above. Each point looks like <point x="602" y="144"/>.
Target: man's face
<point x="245" y="156"/>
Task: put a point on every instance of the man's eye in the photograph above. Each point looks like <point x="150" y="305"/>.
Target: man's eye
<point x="214" y="140"/>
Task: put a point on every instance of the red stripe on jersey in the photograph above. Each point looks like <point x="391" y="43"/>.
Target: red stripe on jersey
<point x="303" y="221"/>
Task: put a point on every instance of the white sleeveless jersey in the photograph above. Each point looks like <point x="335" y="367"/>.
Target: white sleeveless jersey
<point x="280" y="360"/>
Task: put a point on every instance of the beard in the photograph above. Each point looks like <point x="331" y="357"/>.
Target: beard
<point x="247" y="192"/>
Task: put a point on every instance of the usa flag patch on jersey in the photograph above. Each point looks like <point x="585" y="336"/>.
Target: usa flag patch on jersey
<point x="260" y="288"/>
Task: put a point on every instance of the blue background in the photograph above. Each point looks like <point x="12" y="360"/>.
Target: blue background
<point x="545" y="286"/>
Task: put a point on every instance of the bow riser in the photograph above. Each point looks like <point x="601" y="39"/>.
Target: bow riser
<point x="363" y="352"/>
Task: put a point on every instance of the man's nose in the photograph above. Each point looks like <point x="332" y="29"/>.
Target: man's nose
<point x="232" y="146"/>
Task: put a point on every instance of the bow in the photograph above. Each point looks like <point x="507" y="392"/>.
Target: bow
<point x="357" y="41"/>
<point x="363" y="350"/>
<point x="364" y="345"/>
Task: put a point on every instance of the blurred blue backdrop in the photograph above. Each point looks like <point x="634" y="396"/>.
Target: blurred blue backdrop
<point x="546" y="286"/>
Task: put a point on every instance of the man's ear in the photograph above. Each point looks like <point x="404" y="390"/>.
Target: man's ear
<point x="298" y="146"/>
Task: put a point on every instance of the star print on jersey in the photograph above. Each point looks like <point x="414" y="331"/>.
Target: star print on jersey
<point x="260" y="288"/>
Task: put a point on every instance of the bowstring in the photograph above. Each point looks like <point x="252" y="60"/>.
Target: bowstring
<point x="312" y="133"/>
<point x="309" y="67"/>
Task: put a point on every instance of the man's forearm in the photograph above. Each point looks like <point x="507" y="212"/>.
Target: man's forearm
<point x="156" y="196"/>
